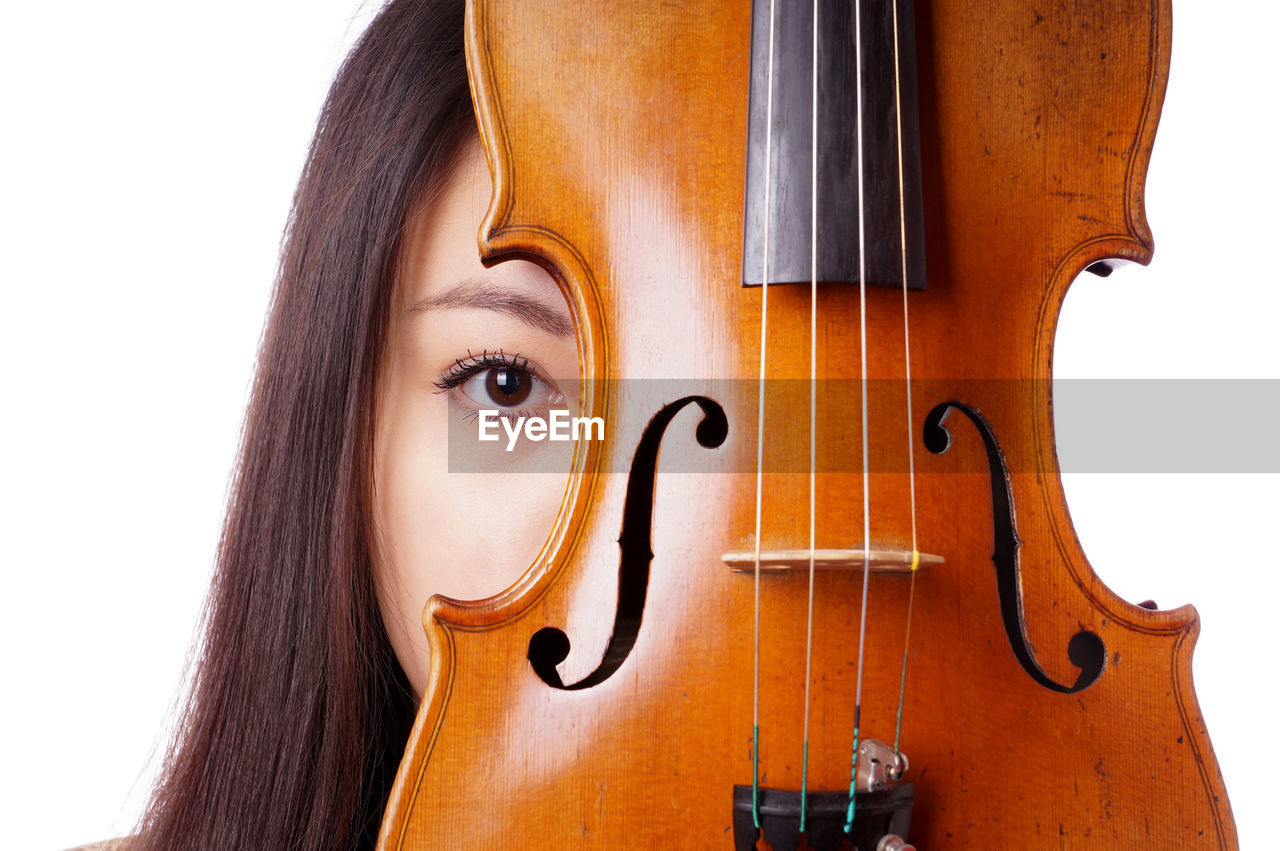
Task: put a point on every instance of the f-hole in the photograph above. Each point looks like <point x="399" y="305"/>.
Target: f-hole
<point x="1085" y="649"/>
<point x="549" y="646"/>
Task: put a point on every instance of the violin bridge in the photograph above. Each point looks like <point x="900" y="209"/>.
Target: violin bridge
<point x="790" y="561"/>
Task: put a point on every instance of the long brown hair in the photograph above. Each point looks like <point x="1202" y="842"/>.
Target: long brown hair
<point x="298" y="710"/>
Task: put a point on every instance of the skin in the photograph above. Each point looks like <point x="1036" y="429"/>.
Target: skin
<point x="470" y="533"/>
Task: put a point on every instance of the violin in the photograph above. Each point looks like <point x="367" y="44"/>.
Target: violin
<point x="818" y="586"/>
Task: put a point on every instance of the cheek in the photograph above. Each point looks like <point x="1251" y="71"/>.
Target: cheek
<point x="461" y="535"/>
<point x="465" y="535"/>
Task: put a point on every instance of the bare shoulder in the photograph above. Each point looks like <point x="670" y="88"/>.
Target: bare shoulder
<point x="122" y="844"/>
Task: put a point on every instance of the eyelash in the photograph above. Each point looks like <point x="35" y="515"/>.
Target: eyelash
<point x="465" y="368"/>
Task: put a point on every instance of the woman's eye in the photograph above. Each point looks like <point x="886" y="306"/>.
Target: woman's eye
<point x="508" y="387"/>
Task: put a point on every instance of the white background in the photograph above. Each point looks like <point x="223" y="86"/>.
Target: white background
<point x="149" y="152"/>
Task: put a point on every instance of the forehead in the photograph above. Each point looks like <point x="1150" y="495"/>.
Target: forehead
<point x="441" y="241"/>
<point x="442" y="247"/>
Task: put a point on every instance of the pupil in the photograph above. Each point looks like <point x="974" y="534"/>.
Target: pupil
<point x="508" y="386"/>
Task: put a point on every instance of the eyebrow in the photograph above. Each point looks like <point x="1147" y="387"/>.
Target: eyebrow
<point x="485" y="295"/>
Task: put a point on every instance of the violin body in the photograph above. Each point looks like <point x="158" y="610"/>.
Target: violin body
<point x="1040" y="708"/>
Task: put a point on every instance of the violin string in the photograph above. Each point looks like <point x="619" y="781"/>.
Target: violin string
<point x="813" y="415"/>
<point x="906" y="342"/>
<point x="764" y="340"/>
<point x="866" y="472"/>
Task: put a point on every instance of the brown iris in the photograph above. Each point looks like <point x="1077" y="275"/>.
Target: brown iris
<point x="508" y="386"/>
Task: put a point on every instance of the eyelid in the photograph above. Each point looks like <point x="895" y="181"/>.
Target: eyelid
<point x="472" y="364"/>
<point x="466" y="369"/>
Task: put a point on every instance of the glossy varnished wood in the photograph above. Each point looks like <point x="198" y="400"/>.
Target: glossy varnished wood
<point x="617" y="146"/>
